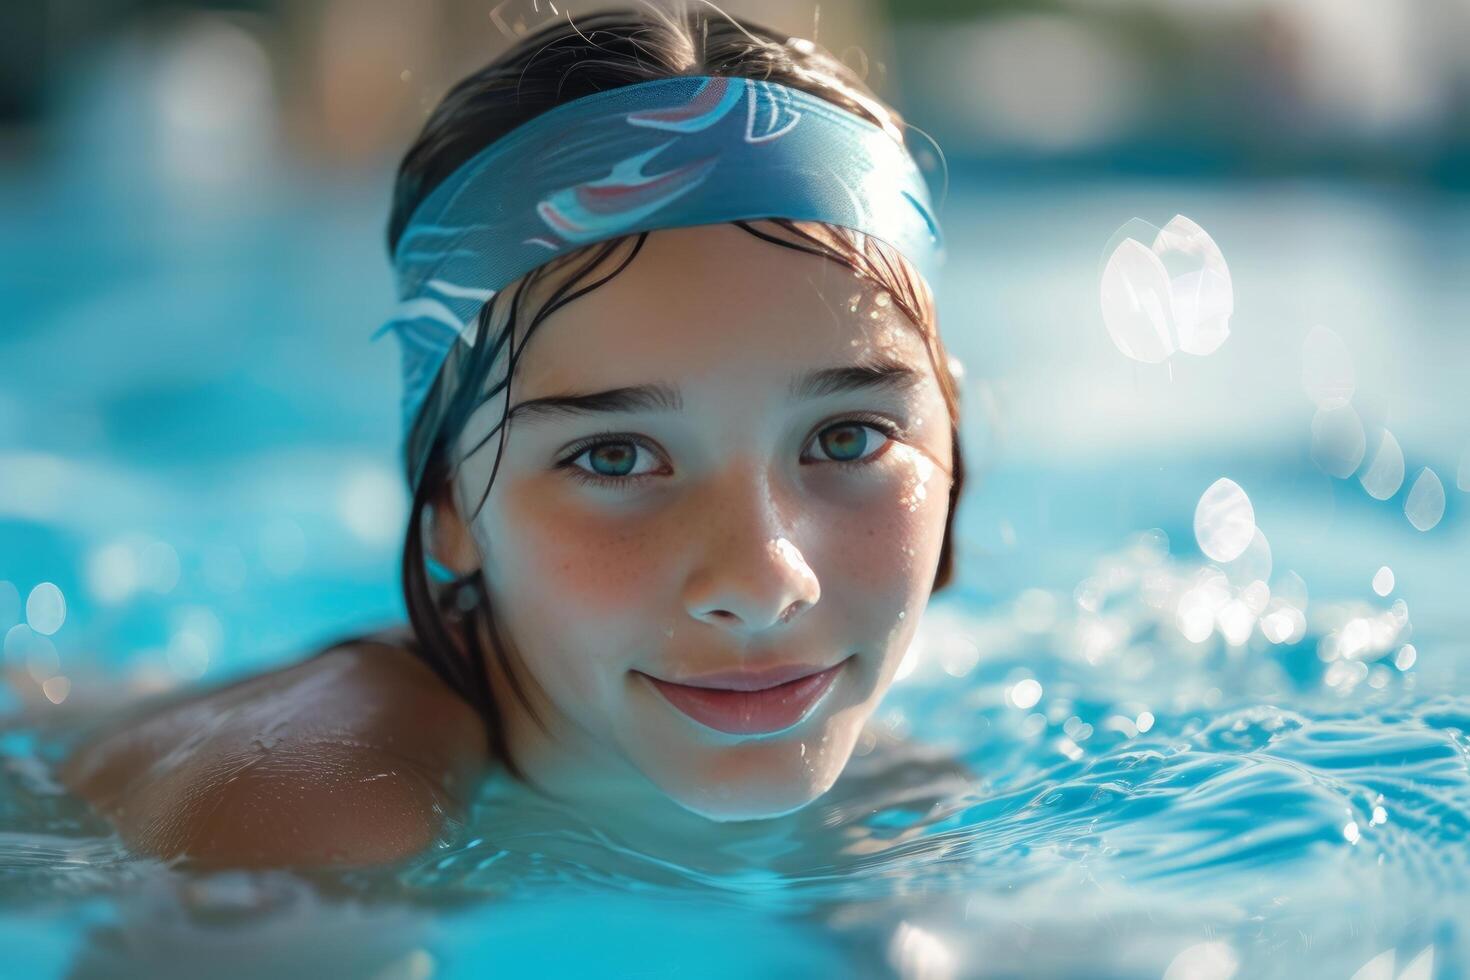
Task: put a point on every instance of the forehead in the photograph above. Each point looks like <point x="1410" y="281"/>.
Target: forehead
<point x="716" y="303"/>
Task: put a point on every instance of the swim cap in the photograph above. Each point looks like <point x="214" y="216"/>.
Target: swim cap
<point x="668" y="153"/>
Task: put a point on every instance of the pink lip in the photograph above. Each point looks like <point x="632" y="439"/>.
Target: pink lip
<point x="751" y="680"/>
<point x="744" y="702"/>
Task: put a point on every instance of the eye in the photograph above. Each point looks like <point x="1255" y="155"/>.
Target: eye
<point x="610" y="460"/>
<point x="855" y="441"/>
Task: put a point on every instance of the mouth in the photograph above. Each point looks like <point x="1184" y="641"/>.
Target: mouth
<point x="737" y="709"/>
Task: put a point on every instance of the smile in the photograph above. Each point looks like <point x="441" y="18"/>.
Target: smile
<point x="749" y="712"/>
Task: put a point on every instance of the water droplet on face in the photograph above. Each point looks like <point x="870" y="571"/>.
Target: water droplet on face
<point x="1383" y="581"/>
<point x="1224" y="521"/>
<point x="1425" y="505"/>
<point x="1338" y="441"/>
<point x="1328" y="376"/>
<point x="1385" y="473"/>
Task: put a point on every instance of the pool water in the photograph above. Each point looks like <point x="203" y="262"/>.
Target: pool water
<point x="1078" y="775"/>
<point x="1028" y="801"/>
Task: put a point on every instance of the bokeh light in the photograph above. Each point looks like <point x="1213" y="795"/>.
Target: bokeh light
<point x="1385" y="472"/>
<point x="1171" y="292"/>
<point x="1425" y="504"/>
<point x="46" y="608"/>
<point x="1383" y="581"/>
<point x="373" y="505"/>
<point x="1224" y="521"/>
<point x="1338" y="440"/>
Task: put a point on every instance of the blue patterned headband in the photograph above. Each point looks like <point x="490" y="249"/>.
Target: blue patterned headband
<point x="669" y="153"/>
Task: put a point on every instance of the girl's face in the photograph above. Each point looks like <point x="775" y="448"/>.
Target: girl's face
<point x="772" y="495"/>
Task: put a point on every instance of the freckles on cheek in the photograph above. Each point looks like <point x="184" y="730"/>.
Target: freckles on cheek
<point x="602" y="564"/>
<point x="886" y="541"/>
<point x="874" y="554"/>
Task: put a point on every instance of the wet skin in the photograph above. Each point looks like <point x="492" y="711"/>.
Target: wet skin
<point x="740" y="541"/>
<point x="352" y="757"/>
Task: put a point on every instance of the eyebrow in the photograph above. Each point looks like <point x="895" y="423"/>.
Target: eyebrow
<point x="881" y="375"/>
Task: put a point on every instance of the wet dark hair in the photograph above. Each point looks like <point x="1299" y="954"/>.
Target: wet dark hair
<point x="453" y="624"/>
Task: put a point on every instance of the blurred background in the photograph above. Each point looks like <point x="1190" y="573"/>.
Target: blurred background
<point x="198" y="469"/>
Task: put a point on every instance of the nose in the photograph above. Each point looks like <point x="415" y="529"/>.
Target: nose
<point x="751" y="575"/>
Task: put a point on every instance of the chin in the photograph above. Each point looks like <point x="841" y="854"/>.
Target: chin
<point x="761" y="788"/>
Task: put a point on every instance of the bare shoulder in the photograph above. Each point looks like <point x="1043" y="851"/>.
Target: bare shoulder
<point x="352" y="757"/>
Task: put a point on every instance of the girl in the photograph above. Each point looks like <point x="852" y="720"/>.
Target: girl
<point x="683" y="445"/>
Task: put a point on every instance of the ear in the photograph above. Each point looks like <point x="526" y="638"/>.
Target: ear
<point x="450" y="541"/>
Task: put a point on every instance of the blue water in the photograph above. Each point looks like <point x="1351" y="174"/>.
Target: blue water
<point x="197" y="448"/>
<point x="1263" y="826"/>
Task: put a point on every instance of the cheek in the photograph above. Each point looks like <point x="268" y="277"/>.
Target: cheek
<point x="889" y="542"/>
<point x="591" y="565"/>
<point x="574" y="592"/>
